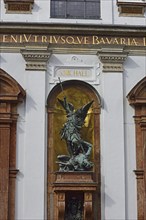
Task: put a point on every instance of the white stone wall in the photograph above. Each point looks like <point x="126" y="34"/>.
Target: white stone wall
<point x="41" y="13"/>
<point x="117" y="134"/>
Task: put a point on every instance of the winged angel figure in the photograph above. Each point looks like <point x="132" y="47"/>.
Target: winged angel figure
<point x="79" y="150"/>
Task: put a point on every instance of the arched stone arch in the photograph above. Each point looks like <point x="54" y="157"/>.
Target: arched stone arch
<point x="11" y="93"/>
<point x="137" y="98"/>
<point x="78" y="93"/>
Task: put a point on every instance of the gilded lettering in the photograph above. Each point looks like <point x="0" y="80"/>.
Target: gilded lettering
<point x="123" y="41"/>
<point x="144" y="41"/>
<point x="5" y="39"/>
<point x="27" y="39"/>
<point x="56" y="39"/>
<point x="79" y="40"/>
<point x="63" y="39"/>
<point x="95" y="40"/>
<point x="108" y="40"/>
<point x="115" y="41"/>
<point x="75" y="39"/>
<point x="70" y="40"/>
<point x="44" y="39"/>
<point x="20" y="39"/>
<point x="86" y="40"/>
<point x="129" y="42"/>
<point x="134" y="42"/>
<point x="102" y="41"/>
<point x="36" y="38"/>
<point x="67" y="72"/>
<point x="50" y="40"/>
<point x="14" y="38"/>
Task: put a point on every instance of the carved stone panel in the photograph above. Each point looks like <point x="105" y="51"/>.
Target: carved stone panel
<point x="21" y="6"/>
<point x="131" y="8"/>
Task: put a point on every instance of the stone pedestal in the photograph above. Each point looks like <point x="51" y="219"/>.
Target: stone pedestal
<point x="77" y="187"/>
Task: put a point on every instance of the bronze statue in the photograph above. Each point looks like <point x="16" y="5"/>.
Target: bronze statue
<point x="79" y="150"/>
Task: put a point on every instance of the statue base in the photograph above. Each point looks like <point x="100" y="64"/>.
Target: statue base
<point x="74" y="195"/>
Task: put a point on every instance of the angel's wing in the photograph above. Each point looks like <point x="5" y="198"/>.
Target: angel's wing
<point x="82" y="112"/>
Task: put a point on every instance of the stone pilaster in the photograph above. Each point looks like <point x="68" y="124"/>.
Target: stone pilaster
<point x="35" y="124"/>
<point x="113" y="129"/>
<point x="36" y="58"/>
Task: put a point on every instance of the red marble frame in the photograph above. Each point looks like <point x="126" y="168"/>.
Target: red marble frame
<point x="137" y="98"/>
<point x="11" y="94"/>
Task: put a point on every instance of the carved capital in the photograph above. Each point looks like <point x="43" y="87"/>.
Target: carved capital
<point x="13" y="172"/>
<point x="139" y="174"/>
<point x="112" y="61"/>
<point x="36" y="58"/>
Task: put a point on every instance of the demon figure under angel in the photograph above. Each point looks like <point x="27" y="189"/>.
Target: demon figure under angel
<point x="78" y="149"/>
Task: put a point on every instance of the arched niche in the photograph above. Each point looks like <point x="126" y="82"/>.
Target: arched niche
<point x="78" y="93"/>
<point x="11" y="93"/>
<point x="137" y="99"/>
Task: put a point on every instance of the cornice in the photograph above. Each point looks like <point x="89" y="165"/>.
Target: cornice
<point x="58" y="28"/>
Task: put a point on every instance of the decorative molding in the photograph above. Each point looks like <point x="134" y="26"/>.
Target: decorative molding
<point x="137" y="95"/>
<point x="18" y="7"/>
<point x="131" y="8"/>
<point x="11" y="91"/>
<point x="85" y="73"/>
<point x="36" y="58"/>
<point x="112" y="61"/>
<point x="13" y="172"/>
<point x="74" y="67"/>
<point x="139" y="174"/>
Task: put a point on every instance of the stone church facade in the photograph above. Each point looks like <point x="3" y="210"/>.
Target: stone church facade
<point x="98" y="51"/>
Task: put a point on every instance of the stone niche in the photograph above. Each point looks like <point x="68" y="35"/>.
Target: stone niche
<point x="73" y="194"/>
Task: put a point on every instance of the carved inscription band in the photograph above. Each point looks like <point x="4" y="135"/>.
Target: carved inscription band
<point x="72" y="40"/>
